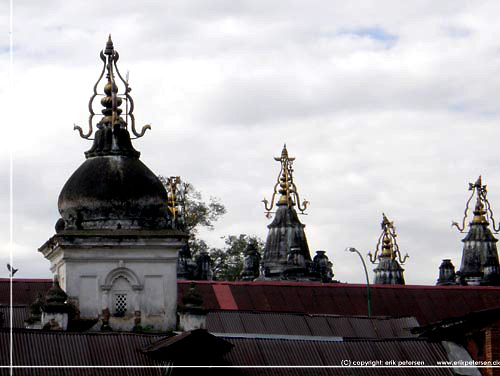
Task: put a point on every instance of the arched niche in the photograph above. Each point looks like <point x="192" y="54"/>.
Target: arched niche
<point x="122" y="272"/>
<point x="121" y="292"/>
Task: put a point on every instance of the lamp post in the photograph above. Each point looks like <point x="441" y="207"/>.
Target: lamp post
<point x="351" y="249"/>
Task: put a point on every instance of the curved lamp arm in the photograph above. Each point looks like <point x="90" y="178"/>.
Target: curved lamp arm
<point x="351" y="249"/>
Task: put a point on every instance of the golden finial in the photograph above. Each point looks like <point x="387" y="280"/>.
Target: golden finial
<point x="112" y="99"/>
<point x="390" y="247"/>
<point x="285" y="185"/>
<point x="172" y="183"/>
<point x="175" y="198"/>
<point x="482" y="210"/>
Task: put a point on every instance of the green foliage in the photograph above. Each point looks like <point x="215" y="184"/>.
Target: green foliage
<point x="199" y="213"/>
<point x="228" y="262"/>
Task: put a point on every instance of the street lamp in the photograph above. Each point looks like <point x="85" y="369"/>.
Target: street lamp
<point x="351" y="249"/>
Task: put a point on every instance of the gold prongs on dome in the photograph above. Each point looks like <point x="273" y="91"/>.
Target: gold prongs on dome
<point x="387" y="245"/>
<point x="482" y="209"/>
<point x="285" y="185"/>
<point x="116" y="90"/>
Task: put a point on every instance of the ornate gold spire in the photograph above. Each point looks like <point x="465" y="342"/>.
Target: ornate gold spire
<point x="390" y="248"/>
<point x="112" y="98"/>
<point x="176" y="191"/>
<point x="285" y="185"/>
<point x="482" y="210"/>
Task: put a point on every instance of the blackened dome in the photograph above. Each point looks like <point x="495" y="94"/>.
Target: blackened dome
<point x="113" y="192"/>
<point x="113" y="189"/>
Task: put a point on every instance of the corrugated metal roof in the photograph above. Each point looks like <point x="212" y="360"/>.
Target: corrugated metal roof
<point x="38" y="348"/>
<point x="308" y="325"/>
<point x="426" y="303"/>
<point x="20" y="313"/>
<point x="284" y="352"/>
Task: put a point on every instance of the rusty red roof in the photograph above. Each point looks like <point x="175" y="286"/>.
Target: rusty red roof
<point x="24" y="290"/>
<point x="426" y="303"/>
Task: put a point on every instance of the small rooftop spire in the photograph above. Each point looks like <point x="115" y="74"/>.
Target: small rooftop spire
<point x="390" y="247"/>
<point x="285" y="185"/>
<point x="482" y="210"/>
<point x="388" y="270"/>
<point x="55" y="295"/>
<point x="479" y="264"/>
<point x="447" y="275"/>
<point x="112" y="136"/>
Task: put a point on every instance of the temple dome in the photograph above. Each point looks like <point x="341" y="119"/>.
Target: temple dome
<point x="113" y="192"/>
<point x="113" y="189"/>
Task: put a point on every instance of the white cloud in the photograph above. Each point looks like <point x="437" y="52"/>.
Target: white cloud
<point x="388" y="107"/>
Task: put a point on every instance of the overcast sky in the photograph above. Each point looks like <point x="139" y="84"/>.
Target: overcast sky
<point x="388" y="106"/>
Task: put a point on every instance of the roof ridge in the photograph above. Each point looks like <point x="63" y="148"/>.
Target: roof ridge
<point x="363" y="317"/>
<point x="336" y="285"/>
<point x="96" y="333"/>
<point x="289" y="337"/>
<point x="292" y="284"/>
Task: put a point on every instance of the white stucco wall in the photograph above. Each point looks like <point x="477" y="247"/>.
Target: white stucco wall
<point x="141" y="271"/>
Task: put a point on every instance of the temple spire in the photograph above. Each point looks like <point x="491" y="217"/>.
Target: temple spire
<point x="112" y="135"/>
<point x="285" y="185"/>
<point x="480" y="265"/>
<point x="387" y="255"/>
<point x="286" y="253"/>
<point x="482" y="210"/>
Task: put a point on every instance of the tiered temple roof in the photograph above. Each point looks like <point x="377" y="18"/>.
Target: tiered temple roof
<point x="388" y="270"/>
<point x="480" y="264"/>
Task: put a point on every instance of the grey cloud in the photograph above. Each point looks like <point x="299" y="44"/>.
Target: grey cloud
<point x="225" y="84"/>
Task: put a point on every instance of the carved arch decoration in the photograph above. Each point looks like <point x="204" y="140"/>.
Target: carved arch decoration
<point x="122" y="272"/>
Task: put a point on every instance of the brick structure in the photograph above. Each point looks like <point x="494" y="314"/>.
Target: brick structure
<point x="492" y="348"/>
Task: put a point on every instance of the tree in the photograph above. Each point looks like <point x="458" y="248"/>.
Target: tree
<point x="196" y="213"/>
<point x="199" y="213"/>
<point x="228" y="262"/>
